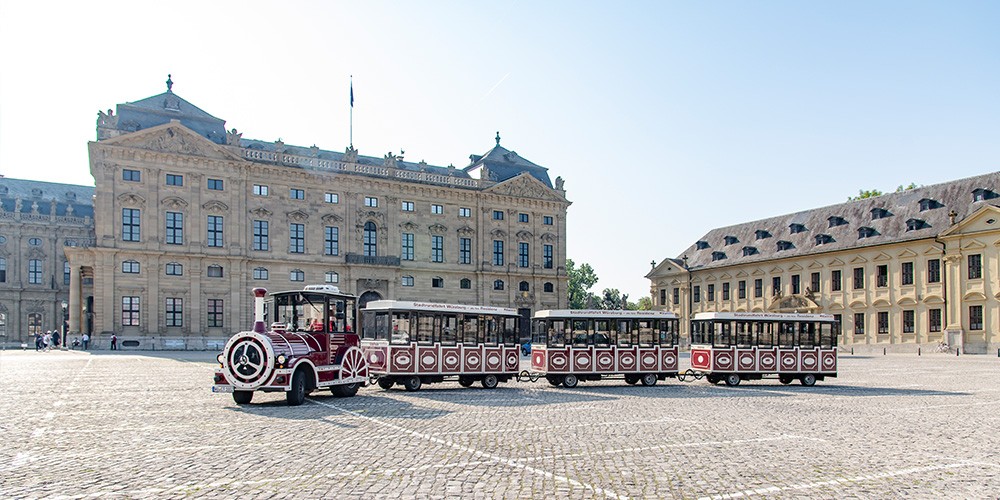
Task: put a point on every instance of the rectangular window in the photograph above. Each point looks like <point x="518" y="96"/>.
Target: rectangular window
<point x="261" y="241"/>
<point x="214" y="236"/>
<point x="437" y="248"/>
<point x="130" y="224"/>
<point x="3" y="269"/>
<point x="883" y="322"/>
<point x="215" y="313"/>
<point x="741" y="289"/>
<point x="130" y="311"/>
<point x="175" y="180"/>
<point x="711" y="293"/>
<point x="215" y="184"/>
<point x="663" y="296"/>
<point x="130" y="267"/>
<point x="725" y="291"/>
<point x="65" y="272"/>
<point x="975" y="317"/>
<point x="836" y="280"/>
<point x="331" y="240"/>
<point x="906" y="273"/>
<point x="214" y="271"/>
<point x="498" y="215"/>
<point x="859" y="278"/>
<point x="909" y="321"/>
<point x="696" y="293"/>
<point x="465" y="250"/>
<point x="497" y="252"/>
<point x="296" y="238"/>
<point x="35" y="271"/>
<point x="437" y="282"/>
<point x="796" y="284"/>
<point x="814" y="283"/>
<point x="437" y="209"/>
<point x="406" y="206"/>
<point x="331" y="198"/>
<point x="407" y="251"/>
<point x="131" y="175"/>
<point x="934" y="320"/>
<point x="975" y="266"/>
<point x="523" y="218"/>
<point x="174" y="312"/>
<point x="175" y="228"/>
<point x="371" y="201"/>
<point x="859" y="323"/>
<point x="297" y="194"/>
<point x="260" y="273"/>
<point x="297" y="275"/>
<point x="547" y="256"/>
<point x="259" y="190"/>
<point x="934" y="271"/>
<point x="882" y="276"/>
<point x="758" y="288"/>
<point x="776" y="285"/>
<point x="677" y="296"/>
<point x="522" y="254"/>
<point x="407" y="281"/>
<point x="547" y="220"/>
<point x="464" y="212"/>
<point x="174" y="269"/>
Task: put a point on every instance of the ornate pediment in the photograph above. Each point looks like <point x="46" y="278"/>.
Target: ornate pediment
<point x="793" y="303"/>
<point x="525" y="186"/>
<point x="882" y="256"/>
<point x="547" y="237"/>
<point x="498" y="233"/>
<point x="466" y="230"/>
<point x="35" y="253"/>
<point x="131" y="199"/>
<point x="331" y="218"/>
<point x="174" y="203"/>
<point x="437" y="228"/>
<point x="172" y="138"/>
<point x="408" y="226"/>
<point x="261" y="212"/>
<point x="215" y="206"/>
<point x="524" y="234"/>
<point x="297" y="216"/>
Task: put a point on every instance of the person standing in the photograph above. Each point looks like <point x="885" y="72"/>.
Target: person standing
<point x="56" y="338"/>
<point x="114" y="342"/>
<point x="47" y="340"/>
<point x="38" y="341"/>
<point x="86" y="341"/>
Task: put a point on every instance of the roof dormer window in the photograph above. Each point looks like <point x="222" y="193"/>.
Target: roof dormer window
<point x="748" y="251"/>
<point x="880" y="213"/>
<point x="823" y="239"/>
<point x="731" y="240"/>
<point x="785" y="245"/>
<point x="701" y="245"/>
<point x="929" y="204"/>
<point x="761" y="234"/>
<point x="866" y="232"/>
<point x="718" y="256"/>
<point x="983" y="194"/>
<point x="796" y="228"/>
<point x="916" y="224"/>
<point x="836" y="220"/>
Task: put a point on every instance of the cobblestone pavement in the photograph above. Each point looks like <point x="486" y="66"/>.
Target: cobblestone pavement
<point x="146" y="425"/>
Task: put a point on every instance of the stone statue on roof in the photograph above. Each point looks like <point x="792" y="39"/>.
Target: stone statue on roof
<point x="559" y="183"/>
<point x="233" y="138"/>
<point x="107" y="119"/>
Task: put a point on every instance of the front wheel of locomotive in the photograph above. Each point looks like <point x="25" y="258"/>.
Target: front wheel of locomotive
<point x="297" y="395"/>
<point x="345" y="390"/>
<point x="242" y="397"/>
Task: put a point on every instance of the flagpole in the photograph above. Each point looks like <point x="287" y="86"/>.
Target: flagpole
<point x="351" y="139"/>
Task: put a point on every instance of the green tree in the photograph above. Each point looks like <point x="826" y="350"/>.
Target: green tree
<point x="644" y="304"/>
<point x="580" y="281"/>
<point x="871" y="193"/>
<point x="613" y="299"/>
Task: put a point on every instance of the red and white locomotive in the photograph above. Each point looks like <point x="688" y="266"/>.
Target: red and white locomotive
<point x="311" y="344"/>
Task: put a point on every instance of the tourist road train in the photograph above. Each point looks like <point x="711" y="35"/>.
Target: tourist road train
<point x="316" y="338"/>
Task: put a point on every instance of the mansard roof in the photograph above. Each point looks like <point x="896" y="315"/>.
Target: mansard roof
<point x="30" y="192"/>
<point x="162" y="108"/>
<point x="819" y="237"/>
<point x="502" y="164"/>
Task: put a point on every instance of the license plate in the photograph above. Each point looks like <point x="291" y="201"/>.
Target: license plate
<point x="222" y="388"/>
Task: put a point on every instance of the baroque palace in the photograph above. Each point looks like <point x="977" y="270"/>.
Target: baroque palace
<point x="189" y="217"/>
<point x="914" y="267"/>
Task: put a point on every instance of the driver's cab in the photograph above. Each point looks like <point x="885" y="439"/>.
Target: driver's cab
<point x="318" y="310"/>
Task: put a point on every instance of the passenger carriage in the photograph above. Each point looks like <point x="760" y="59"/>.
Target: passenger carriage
<point x="415" y="343"/>
<point x="573" y="345"/>
<point x="311" y="343"/>
<point x="735" y="346"/>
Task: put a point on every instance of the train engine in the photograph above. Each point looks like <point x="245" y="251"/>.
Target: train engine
<point x="311" y="344"/>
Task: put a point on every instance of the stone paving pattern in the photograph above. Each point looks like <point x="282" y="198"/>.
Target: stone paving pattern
<point x="143" y="425"/>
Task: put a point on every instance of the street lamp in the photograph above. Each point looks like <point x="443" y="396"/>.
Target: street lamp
<point x="65" y="323"/>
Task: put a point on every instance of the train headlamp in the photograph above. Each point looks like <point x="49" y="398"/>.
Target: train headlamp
<point x="219" y="359"/>
<point x="281" y="359"/>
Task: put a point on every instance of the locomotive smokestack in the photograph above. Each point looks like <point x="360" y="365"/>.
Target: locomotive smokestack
<point x="258" y="310"/>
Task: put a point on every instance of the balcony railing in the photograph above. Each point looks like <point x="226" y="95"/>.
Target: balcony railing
<point x="376" y="260"/>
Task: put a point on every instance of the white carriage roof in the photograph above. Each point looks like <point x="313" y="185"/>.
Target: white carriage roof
<point x="763" y="316"/>
<point x="602" y="313"/>
<point x="319" y="289"/>
<point x="438" y="307"/>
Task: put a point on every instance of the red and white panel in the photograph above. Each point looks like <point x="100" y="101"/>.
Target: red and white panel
<point x="428" y="359"/>
<point x="668" y="359"/>
<point x="767" y="360"/>
<point x="376" y="357"/>
<point x="628" y="360"/>
<point x="746" y="360"/>
<point x="513" y="359"/>
<point x="493" y="358"/>
<point x="402" y="360"/>
<point x="538" y="358"/>
<point x="472" y="359"/>
<point x="583" y="360"/>
<point x="451" y="359"/>
<point x="829" y="360"/>
<point x="701" y="359"/>
<point x="604" y="360"/>
<point x="559" y="361"/>
<point x="788" y="360"/>
<point x="649" y="360"/>
<point x="724" y="360"/>
<point x="809" y="361"/>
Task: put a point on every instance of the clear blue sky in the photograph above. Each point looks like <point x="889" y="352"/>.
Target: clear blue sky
<point x="666" y="119"/>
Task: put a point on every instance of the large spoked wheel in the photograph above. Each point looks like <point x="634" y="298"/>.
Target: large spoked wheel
<point x="297" y="395"/>
<point x="570" y="381"/>
<point x="412" y="384"/>
<point x="649" y="379"/>
<point x="785" y="379"/>
<point x="466" y="381"/>
<point x="554" y="380"/>
<point x="713" y="379"/>
<point x="808" y="380"/>
<point x="242" y="397"/>
<point x="732" y="380"/>
<point x="490" y="382"/>
<point x="346" y="390"/>
<point x="631" y="379"/>
<point x="385" y="383"/>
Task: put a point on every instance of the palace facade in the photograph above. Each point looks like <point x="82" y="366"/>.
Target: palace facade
<point x="898" y="270"/>
<point x="189" y="217"/>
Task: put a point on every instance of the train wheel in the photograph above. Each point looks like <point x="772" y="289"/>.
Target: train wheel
<point x="649" y="379"/>
<point x="242" y="397"/>
<point x="554" y="380"/>
<point x="385" y="383"/>
<point x="808" y="380"/>
<point x="346" y="390"/>
<point x="490" y="382"/>
<point x="713" y="379"/>
<point x="297" y="395"/>
<point x="631" y="379"/>
<point x="570" y="381"/>
<point x="732" y="380"/>
<point x="785" y="379"/>
<point x="465" y="381"/>
<point x="412" y="384"/>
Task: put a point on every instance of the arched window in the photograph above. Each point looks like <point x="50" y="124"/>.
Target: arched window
<point x="297" y="275"/>
<point x="332" y="277"/>
<point x="130" y="267"/>
<point x="548" y="288"/>
<point x="498" y="285"/>
<point x="523" y="286"/>
<point x="371" y="239"/>
<point x="465" y="284"/>
<point x="260" y="273"/>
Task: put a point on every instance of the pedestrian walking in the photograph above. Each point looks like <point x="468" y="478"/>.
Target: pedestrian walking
<point x="86" y="341"/>
<point x="47" y="340"/>
<point x="114" y="342"/>
<point x="56" y="338"/>
<point x="38" y="341"/>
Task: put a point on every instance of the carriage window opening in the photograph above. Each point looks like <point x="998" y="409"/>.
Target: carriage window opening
<point x="581" y="332"/>
<point x="765" y="334"/>
<point x="449" y="329"/>
<point x="491" y="330"/>
<point x="368" y="327"/>
<point x="470" y="330"/>
<point x="539" y="332"/>
<point x="744" y="334"/>
<point x="646" y="334"/>
<point x="624" y="333"/>
<point x="510" y="335"/>
<point x="807" y="334"/>
<point x="555" y="331"/>
<point x="400" y="328"/>
<point x="723" y="334"/>
<point x="786" y="334"/>
<point x="665" y="330"/>
<point x="425" y="329"/>
<point x="382" y="326"/>
<point x="602" y="332"/>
